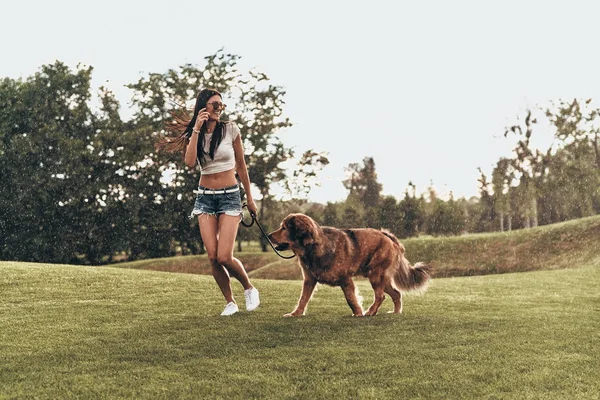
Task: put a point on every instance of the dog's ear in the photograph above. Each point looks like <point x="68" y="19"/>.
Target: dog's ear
<point x="303" y="230"/>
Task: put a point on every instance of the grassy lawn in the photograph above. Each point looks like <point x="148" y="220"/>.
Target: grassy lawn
<point x="88" y="332"/>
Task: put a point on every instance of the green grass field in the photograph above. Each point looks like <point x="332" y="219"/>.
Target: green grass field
<point x="91" y="332"/>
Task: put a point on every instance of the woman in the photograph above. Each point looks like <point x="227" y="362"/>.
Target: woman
<point x="216" y="146"/>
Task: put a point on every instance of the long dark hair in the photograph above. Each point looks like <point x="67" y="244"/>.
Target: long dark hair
<point x="181" y="126"/>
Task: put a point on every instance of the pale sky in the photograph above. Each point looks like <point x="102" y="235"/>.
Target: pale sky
<point x="426" y="88"/>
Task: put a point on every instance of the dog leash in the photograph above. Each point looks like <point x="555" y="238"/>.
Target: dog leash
<point x="263" y="232"/>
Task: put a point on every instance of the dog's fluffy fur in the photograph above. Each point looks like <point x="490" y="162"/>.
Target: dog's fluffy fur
<point x="333" y="256"/>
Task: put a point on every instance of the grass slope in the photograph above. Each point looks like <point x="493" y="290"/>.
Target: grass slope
<point x="567" y="244"/>
<point x="564" y="245"/>
<point x="199" y="264"/>
<point x="85" y="332"/>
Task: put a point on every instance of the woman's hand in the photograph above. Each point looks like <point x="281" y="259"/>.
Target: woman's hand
<point x="252" y="207"/>
<point x="202" y="117"/>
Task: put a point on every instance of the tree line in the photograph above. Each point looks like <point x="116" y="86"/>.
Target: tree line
<point x="530" y="188"/>
<point x="81" y="185"/>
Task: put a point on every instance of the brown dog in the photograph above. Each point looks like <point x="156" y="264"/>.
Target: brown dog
<point x="333" y="256"/>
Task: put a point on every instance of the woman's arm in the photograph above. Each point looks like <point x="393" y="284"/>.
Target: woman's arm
<point x="242" y="171"/>
<point x="191" y="152"/>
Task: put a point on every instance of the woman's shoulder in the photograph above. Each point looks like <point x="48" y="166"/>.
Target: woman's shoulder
<point x="232" y="129"/>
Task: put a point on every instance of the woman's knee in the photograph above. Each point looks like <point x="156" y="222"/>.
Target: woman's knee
<point x="214" y="261"/>
<point x="225" y="259"/>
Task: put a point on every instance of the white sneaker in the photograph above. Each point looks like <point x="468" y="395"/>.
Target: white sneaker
<point x="252" y="299"/>
<point x="230" y="309"/>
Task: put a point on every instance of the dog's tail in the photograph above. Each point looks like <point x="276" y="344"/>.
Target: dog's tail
<point x="408" y="277"/>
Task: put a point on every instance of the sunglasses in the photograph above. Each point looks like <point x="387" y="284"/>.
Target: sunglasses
<point x="216" y="105"/>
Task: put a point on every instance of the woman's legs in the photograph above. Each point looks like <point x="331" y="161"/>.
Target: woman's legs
<point x="228" y="227"/>
<point x="209" y="229"/>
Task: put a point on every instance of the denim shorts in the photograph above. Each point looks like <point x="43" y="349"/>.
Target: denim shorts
<point x="216" y="201"/>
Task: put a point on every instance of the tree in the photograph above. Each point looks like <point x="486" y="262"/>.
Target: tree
<point x="47" y="194"/>
<point x="303" y="176"/>
<point x="577" y="161"/>
<point x="572" y="186"/>
<point x="562" y="182"/>
<point x="352" y="214"/>
<point x="502" y="176"/>
<point x="362" y="182"/>
<point x="412" y="210"/>
<point x="487" y="213"/>
<point x="443" y="217"/>
<point x="390" y="215"/>
<point x="364" y="189"/>
<point x="330" y="214"/>
<point x="531" y="166"/>
<point x="577" y="122"/>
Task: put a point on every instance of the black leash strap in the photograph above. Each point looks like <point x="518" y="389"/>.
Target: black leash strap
<point x="263" y="232"/>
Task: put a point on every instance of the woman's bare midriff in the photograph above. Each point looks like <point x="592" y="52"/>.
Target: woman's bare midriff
<point x="219" y="180"/>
